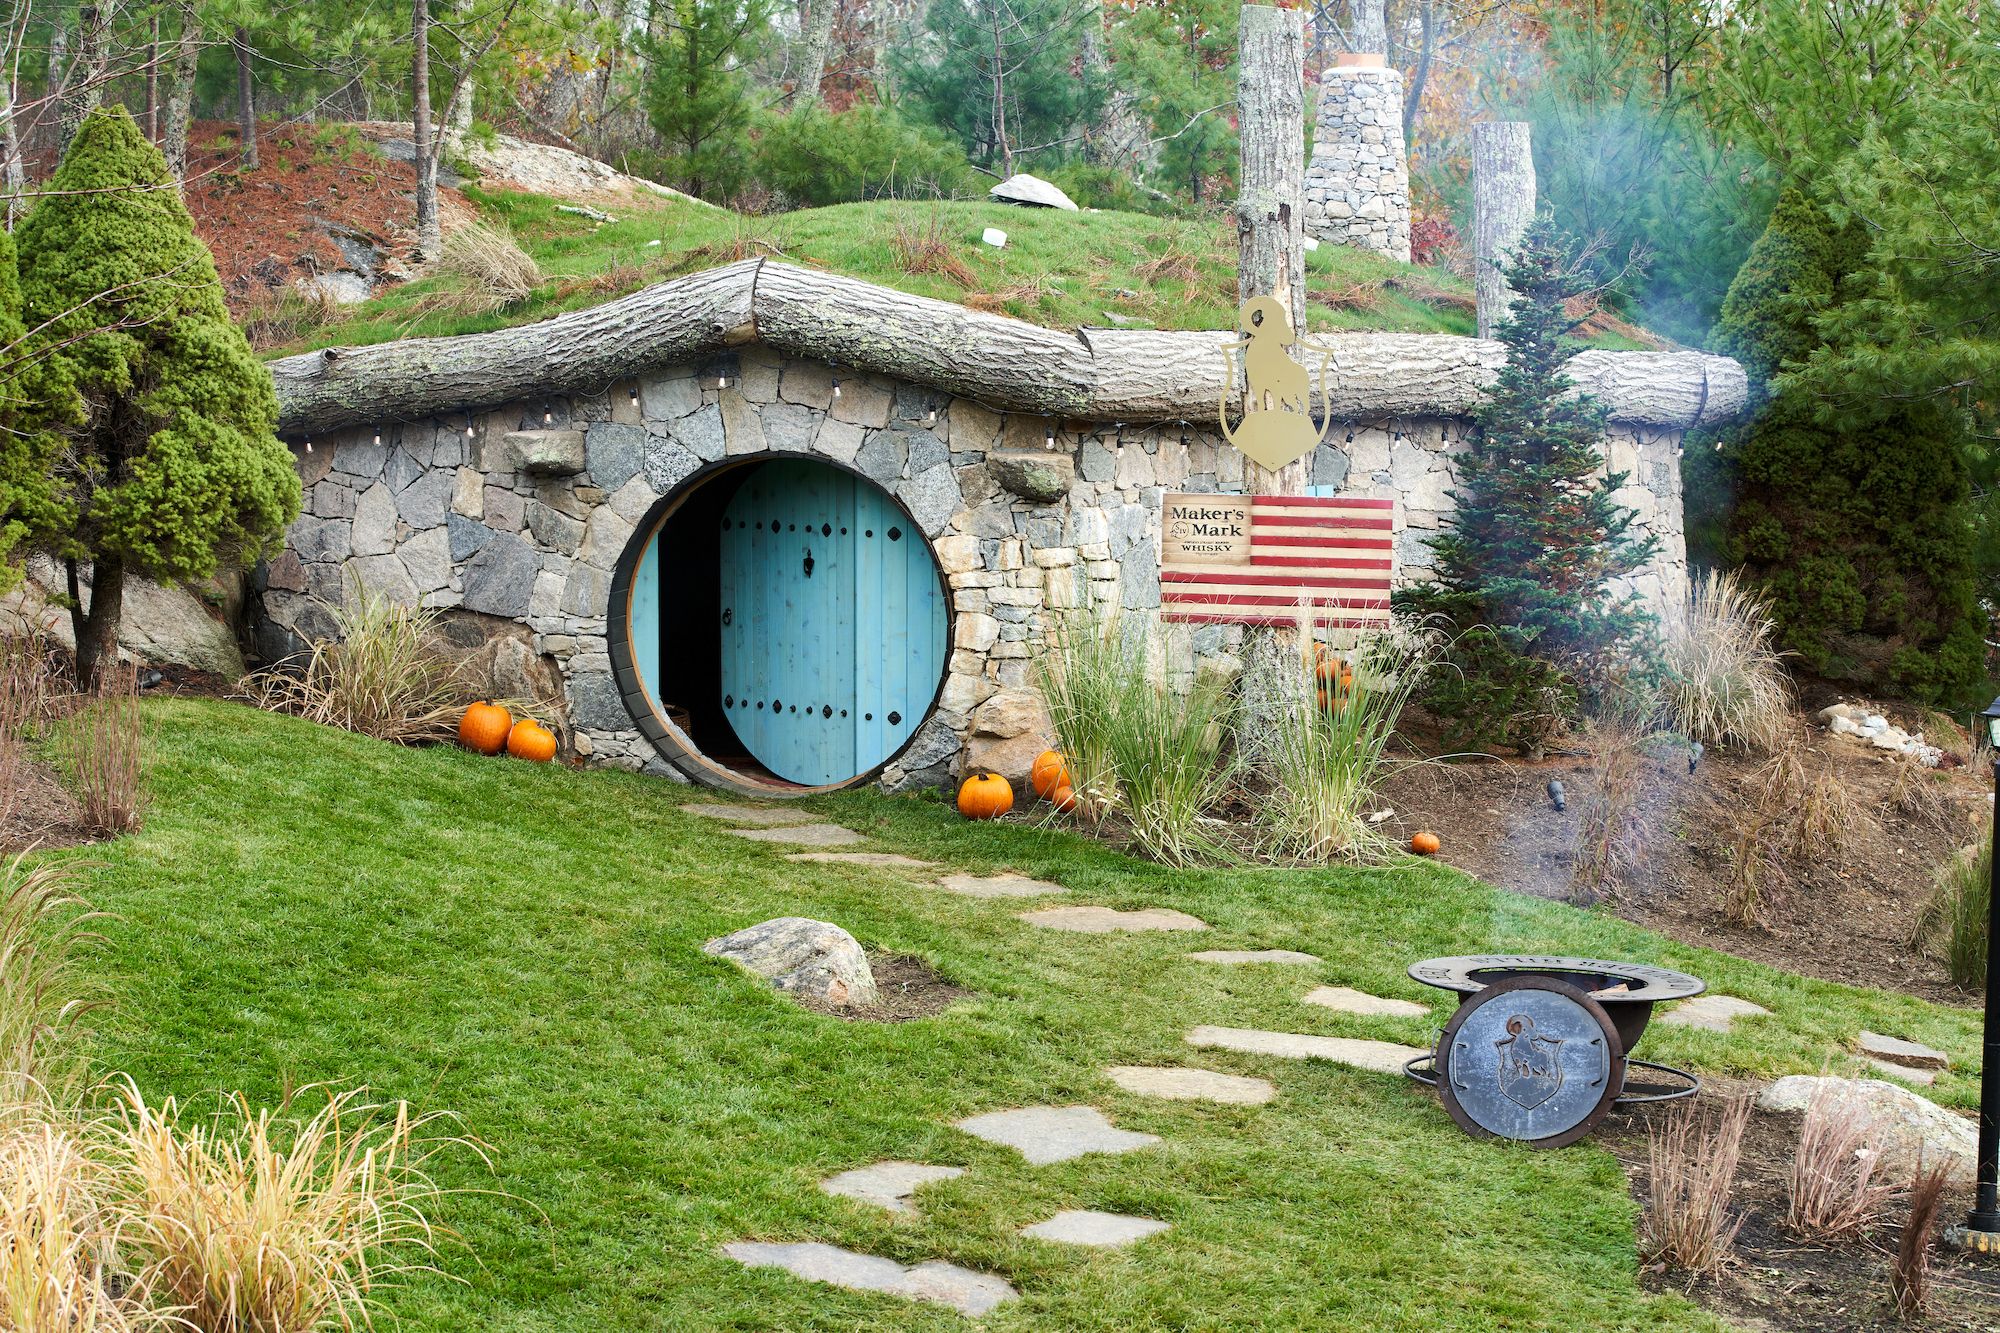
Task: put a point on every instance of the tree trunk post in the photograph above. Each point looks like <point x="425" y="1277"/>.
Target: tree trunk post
<point x="85" y="81"/>
<point x="1503" y="204"/>
<point x="246" y="103"/>
<point x="1271" y="124"/>
<point x="1270" y="233"/>
<point x="153" y="84"/>
<point x="429" y="239"/>
<point x="1371" y="28"/>
<point x="815" y="40"/>
<point x="97" y="629"/>
<point x="180" y="93"/>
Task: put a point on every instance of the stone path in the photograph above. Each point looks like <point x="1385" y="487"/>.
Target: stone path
<point x="805" y="835"/>
<point x="1899" y="1052"/>
<point x="888" y="1184"/>
<point x="1231" y="957"/>
<point x="1191" y="1085"/>
<point x="1103" y="920"/>
<point x="1383" y="1057"/>
<point x="1359" y="1002"/>
<point x="752" y="814"/>
<point x="1104" y="1230"/>
<point x="948" y="1284"/>
<point x="1045" y="1134"/>
<point x="1716" y="1013"/>
<point x="999" y="886"/>
<point x="882" y="859"/>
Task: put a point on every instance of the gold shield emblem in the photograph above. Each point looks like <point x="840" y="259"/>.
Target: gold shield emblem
<point x="1277" y="424"/>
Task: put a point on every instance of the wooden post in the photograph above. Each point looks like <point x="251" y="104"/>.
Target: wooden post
<point x="1270" y="231"/>
<point x="1503" y="204"/>
<point x="1371" y="28"/>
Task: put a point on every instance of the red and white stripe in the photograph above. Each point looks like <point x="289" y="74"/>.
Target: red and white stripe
<point x="1332" y="551"/>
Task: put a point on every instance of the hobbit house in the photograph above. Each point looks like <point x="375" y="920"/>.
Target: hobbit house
<point x="764" y="527"/>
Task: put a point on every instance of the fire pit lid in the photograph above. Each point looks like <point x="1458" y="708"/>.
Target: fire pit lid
<point x="1605" y="982"/>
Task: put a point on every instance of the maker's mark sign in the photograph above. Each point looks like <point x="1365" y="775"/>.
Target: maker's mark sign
<point x="1205" y="530"/>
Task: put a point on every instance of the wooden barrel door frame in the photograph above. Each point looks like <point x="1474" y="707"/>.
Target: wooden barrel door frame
<point x="870" y="514"/>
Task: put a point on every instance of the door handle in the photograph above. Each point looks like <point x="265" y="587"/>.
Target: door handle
<point x="809" y="562"/>
<point x="727" y="615"/>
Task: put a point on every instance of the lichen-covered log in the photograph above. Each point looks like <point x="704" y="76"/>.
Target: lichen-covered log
<point x="1128" y="375"/>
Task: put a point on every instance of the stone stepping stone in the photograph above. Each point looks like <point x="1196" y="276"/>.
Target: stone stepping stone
<point x="1923" y="1078"/>
<point x="947" y="1284"/>
<point x="999" y="886"/>
<point x="1382" y="1057"/>
<point x="881" y="859"/>
<point x="888" y="1184"/>
<point x="1894" y="1050"/>
<point x="806" y="835"/>
<point x="752" y="814"/>
<point x="1231" y="957"/>
<point x="1045" y="1134"/>
<point x="1359" y="1002"/>
<point x="1107" y="1231"/>
<point x="1191" y="1085"/>
<point x="1104" y="920"/>
<point x="1715" y="1013"/>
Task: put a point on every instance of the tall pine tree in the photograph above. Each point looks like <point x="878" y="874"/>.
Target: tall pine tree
<point x="1859" y="534"/>
<point x="168" y="464"/>
<point x="1523" y="576"/>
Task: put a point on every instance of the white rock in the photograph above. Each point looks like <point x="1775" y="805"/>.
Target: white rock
<point x="1021" y="188"/>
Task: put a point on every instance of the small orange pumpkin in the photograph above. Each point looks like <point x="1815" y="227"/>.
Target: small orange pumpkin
<point x="985" y="796"/>
<point x="1424" y="843"/>
<point x="1063" y="798"/>
<point x="484" y="727"/>
<point x="532" y="741"/>
<point x="1051" y="771"/>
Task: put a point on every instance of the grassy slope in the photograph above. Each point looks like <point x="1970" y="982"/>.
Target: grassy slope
<point x="520" y="944"/>
<point x="1058" y="269"/>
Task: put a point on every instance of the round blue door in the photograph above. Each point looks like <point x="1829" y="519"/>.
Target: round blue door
<point x="834" y="624"/>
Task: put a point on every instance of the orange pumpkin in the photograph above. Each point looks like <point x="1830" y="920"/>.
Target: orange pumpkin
<point x="1424" y="844"/>
<point x="985" y="796"/>
<point x="532" y="741"/>
<point x="484" y="727"/>
<point x="1063" y="798"/>
<point x="1051" y="771"/>
<point x="1330" y="671"/>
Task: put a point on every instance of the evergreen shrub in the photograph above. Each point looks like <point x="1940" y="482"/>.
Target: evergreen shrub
<point x="817" y="157"/>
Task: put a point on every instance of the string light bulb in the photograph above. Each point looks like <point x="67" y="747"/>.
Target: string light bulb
<point x="468" y="425"/>
<point x="1048" y="433"/>
<point x="378" y="435"/>
<point x="309" y="444"/>
<point x="1184" y="437"/>
<point x="1121" y="439"/>
<point x="722" y="381"/>
<point x="548" y="413"/>
<point x="635" y="393"/>
<point x="931" y="420"/>
<point x="836" y="389"/>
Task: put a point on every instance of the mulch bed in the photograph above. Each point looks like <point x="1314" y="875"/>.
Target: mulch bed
<point x="908" y="988"/>
<point x="1779" y="1281"/>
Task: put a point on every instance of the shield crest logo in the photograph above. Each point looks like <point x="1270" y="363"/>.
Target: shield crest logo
<point x="1531" y="1069"/>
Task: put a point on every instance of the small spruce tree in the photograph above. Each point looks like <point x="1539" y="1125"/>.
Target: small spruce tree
<point x="1860" y="536"/>
<point x="168" y="464"/>
<point x="1522" y="585"/>
<point x="27" y="456"/>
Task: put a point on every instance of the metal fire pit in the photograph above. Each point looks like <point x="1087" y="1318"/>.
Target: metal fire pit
<point x="1540" y="1047"/>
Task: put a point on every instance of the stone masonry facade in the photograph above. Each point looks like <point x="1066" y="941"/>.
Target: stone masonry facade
<point x="514" y="530"/>
<point x="1358" y="182"/>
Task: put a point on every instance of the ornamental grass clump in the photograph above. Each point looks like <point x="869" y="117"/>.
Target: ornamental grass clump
<point x="107" y="750"/>
<point x="1725" y="681"/>
<point x="1952" y="925"/>
<point x="1691" y="1169"/>
<point x="1081" y="666"/>
<point x="1325" y="759"/>
<point x="1834" y="1184"/>
<point x="380" y="677"/>
<point x="58" y="1232"/>
<point x="43" y="991"/>
<point x="1910" y="1269"/>
<point x="246" y="1224"/>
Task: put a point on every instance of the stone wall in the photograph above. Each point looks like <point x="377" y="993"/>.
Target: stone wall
<point x="1358" y="183"/>
<point x="515" y="529"/>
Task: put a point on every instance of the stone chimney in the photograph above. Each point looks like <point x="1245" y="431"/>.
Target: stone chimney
<point x="1358" y="185"/>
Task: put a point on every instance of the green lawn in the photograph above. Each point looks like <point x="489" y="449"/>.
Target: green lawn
<point x="520" y="945"/>
<point x="1058" y="269"/>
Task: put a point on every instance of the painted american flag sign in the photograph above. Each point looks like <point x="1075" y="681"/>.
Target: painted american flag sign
<point x="1253" y="559"/>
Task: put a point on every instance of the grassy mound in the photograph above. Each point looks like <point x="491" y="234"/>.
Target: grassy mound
<point x="521" y="944"/>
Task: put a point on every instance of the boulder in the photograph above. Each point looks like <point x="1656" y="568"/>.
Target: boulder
<point x="1033" y="191"/>
<point x="1902" y="1126"/>
<point x="156" y="625"/>
<point x="800" y="956"/>
<point x="1043" y="476"/>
